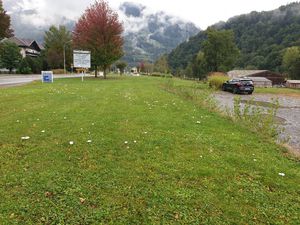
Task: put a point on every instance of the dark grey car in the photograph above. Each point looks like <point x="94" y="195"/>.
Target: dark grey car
<point x="239" y="85"/>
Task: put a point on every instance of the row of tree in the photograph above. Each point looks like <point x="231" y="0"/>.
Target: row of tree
<point x="11" y="58"/>
<point x="98" y="30"/>
<point x="218" y="53"/>
<point x="264" y="41"/>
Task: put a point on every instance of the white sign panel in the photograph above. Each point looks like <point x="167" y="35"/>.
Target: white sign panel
<point x="82" y="59"/>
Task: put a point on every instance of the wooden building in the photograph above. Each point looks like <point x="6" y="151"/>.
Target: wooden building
<point x="276" y="78"/>
<point x="261" y="82"/>
<point x="293" y="84"/>
<point x="27" y="47"/>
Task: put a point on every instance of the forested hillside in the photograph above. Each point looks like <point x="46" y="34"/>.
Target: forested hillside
<point x="261" y="37"/>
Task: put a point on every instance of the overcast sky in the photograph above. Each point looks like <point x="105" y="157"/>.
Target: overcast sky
<point x="202" y="12"/>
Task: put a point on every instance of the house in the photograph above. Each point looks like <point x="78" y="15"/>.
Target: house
<point x="28" y="47"/>
<point x="134" y="70"/>
<point x="277" y="79"/>
<point x="261" y="82"/>
<point x="293" y="84"/>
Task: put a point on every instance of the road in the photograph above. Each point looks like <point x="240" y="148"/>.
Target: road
<point x="16" y="80"/>
<point x="288" y="113"/>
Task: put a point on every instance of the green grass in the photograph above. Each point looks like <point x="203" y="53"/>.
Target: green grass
<point x="285" y="91"/>
<point x="178" y="171"/>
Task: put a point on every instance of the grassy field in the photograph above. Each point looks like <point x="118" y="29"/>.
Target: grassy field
<point x="154" y="158"/>
<point x="284" y="91"/>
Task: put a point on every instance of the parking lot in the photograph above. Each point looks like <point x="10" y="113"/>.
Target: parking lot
<point x="288" y="113"/>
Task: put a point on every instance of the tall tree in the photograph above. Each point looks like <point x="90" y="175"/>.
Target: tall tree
<point x="57" y="42"/>
<point x="10" y="55"/>
<point x="161" y="65"/>
<point x="5" y="30"/>
<point x="100" y="31"/>
<point x="197" y="67"/>
<point x="291" y="62"/>
<point x="220" y="51"/>
<point x="121" y="66"/>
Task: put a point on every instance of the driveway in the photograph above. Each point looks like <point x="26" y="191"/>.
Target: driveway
<point x="288" y="113"/>
<point x="15" y="80"/>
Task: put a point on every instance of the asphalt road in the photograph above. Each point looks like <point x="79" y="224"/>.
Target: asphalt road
<point x="16" y="80"/>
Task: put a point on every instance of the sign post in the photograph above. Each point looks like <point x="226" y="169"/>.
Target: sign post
<point x="82" y="59"/>
<point x="47" y="76"/>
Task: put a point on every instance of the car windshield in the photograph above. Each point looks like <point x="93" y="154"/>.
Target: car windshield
<point x="246" y="82"/>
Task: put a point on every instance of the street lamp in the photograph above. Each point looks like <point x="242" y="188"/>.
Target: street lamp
<point x="65" y="55"/>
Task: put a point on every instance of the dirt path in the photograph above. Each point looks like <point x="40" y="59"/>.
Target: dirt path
<point x="288" y="112"/>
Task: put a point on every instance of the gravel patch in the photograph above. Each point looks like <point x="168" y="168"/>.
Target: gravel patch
<point x="288" y="115"/>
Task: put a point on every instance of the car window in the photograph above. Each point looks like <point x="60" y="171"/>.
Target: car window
<point x="247" y="82"/>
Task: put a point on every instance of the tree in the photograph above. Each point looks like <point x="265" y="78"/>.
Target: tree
<point x="220" y="51"/>
<point x="148" y="67"/>
<point x="141" y="67"/>
<point x="10" y="55"/>
<point x="31" y="65"/>
<point x="161" y="65"/>
<point x="291" y="62"/>
<point x="100" y="31"/>
<point x="24" y="67"/>
<point x="197" y="67"/>
<point x="5" y="30"/>
<point x="58" y="40"/>
<point x="121" y="66"/>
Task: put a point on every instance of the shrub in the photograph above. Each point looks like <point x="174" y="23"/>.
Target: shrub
<point x="24" y="70"/>
<point x="217" y="81"/>
<point x="259" y="119"/>
<point x="58" y="71"/>
<point x="167" y="75"/>
<point x="24" y="67"/>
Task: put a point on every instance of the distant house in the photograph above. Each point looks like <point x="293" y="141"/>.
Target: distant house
<point x="28" y="47"/>
<point x="261" y="82"/>
<point x="277" y="79"/>
<point x="293" y="84"/>
<point x="134" y="70"/>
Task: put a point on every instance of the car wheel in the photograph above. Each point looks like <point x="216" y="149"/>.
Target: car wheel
<point x="235" y="91"/>
<point x="250" y="93"/>
<point x="223" y="88"/>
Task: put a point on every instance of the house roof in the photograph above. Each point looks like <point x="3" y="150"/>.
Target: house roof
<point x="244" y="73"/>
<point x="24" y="42"/>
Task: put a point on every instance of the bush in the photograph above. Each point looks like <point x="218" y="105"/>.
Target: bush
<point x="35" y="64"/>
<point x="30" y="65"/>
<point x="217" y="81"/>
<point x="167" y="75"/>
<point x="24" y="67"/>
<point x="58" y="71"/>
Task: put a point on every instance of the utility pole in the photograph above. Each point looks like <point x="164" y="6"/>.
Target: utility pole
<point x="65" y="55"/>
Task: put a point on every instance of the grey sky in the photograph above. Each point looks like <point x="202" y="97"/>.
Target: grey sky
<point x="202" y="13"/>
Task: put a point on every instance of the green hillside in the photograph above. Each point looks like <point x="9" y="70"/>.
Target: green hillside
<point x="260" y="36"/>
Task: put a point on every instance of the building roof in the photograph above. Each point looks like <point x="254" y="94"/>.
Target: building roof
<point x="293" y="81"/>
<point x="23" y="42"/>
<point x="244" y="73"/>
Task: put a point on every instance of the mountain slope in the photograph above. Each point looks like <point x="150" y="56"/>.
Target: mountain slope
<point x="147" y="34"/>
<point x="260" y="36"/>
